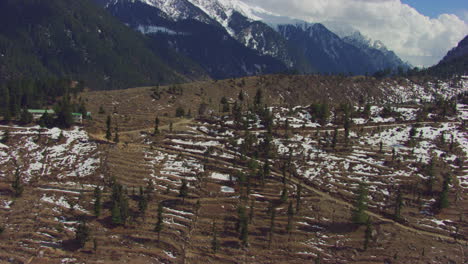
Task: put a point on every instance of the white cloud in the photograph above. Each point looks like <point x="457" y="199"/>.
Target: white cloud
<point x="413" y="36"/>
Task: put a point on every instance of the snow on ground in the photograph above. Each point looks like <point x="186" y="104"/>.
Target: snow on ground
<point x="226" y="189"/>
<point x="220" y="176"/>
<point x="170" y="254"/>
<point x="5" y="204"/>
<point x="462" y="111"/>
<point x="62" y="202"/>
<point x="166" y="167"/>
<point x="395" y="93"/>
<point x="52" y="152"/>
<point x="196" y="143"/>
<point x="408" y="114"/>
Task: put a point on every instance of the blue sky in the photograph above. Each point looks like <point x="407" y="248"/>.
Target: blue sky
<point x="433" y="8"/>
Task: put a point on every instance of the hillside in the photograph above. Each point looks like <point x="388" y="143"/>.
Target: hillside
<point x="81" y="41"/>
<point x="454" y="63"/>
<point x="282" y="184"/>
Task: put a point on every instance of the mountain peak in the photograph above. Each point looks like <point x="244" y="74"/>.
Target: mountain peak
<point x="460" y="50"/>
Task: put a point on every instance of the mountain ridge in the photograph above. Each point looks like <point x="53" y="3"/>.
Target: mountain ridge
<point x="249" y="26"/>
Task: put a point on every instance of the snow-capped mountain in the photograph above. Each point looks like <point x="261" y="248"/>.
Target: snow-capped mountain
<point x="383" y="58"/>
<point x="195" y="35"/>
<point x="260" y="32"/>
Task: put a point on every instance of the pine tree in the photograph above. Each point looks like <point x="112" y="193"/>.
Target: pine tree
<point x="298" y="198"/>
<point x="284" y="195"/>
<point x="272" y="225"/>
<point x="241" y="96"/>
<point x="359" y="215"/>
<point x="101" y="110"/>
<point x="119" y="205"/>
<point x="266" y="171"/>
<point x="318" y="260"/>
<point x="25" y="117"/>
<point x="95" y="245"/>
<point x="6" y="137"/>
<point x="183" y="192"/>
<point x="347" y="126"/>
<point x="398" y="205"/>
<point x="368" y="234"/>
<point x="240" y="217"/>
<point x="142" y="202"/>
<point x="108" y="130"/>
<point x="251" y="211"/>
<point x="159" y="224"/>
<point x="443" y="201"/>
<point x="116" y="216"/>
<point x="335" y="138"/>
<point x="243" y="225"/>
<point x="64" y="113"/>
<point x="180" y="112"/>
<point x="17" y="184"/>
<point x="149" y="189"/>
<point x="46" y="120"/>
<point x="156" y="126"/>
<point x="431" y="173"/>
<point x="124" y="209"/>
<point x="82" y="234"/>
<point x="258" y="98"/>
<point x="214" y="240"/>
<point x="97" y="201"/>
<point x="116" y="135"/>
<point x="224" y="105"/>
<point x="290" y="217"/>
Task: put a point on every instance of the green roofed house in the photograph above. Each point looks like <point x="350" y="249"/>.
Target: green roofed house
<point x="78" y="117"/>
<point x="37" y="113"/>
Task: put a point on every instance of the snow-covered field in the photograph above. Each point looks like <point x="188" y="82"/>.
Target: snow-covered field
<point x="48" y="153"/>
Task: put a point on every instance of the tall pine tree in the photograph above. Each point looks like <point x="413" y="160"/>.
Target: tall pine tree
<point x="160" y="223"/>
<point x="109" y="128"/>
<point x="359" y="215"/>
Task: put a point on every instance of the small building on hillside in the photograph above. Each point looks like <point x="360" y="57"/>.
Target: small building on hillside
<point x="38" y="113"/>
<point x="77" y="118"/>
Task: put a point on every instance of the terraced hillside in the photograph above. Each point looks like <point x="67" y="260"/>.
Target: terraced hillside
<point x="277" y="184"/>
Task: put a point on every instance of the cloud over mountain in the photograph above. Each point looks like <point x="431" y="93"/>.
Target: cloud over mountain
<point x="417" y="38"/>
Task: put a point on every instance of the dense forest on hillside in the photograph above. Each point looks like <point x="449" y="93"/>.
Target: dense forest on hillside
<point x="81" y="41"/>
<point x="19" y="95"/>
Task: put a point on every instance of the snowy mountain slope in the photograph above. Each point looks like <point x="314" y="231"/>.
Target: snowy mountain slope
<point x="383" y="58"/>
<point x="325" y="50"/>
<point x="242" y="23"/>
<point x="263" y="32"/>
<point x="174" y="9"/>
<point x="207" y="42"/>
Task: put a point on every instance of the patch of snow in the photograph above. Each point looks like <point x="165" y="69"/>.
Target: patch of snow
<point x="220" y="176"/>
<point x="226" y="189"/>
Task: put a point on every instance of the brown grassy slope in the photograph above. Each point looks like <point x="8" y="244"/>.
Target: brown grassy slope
<point x="135" y="108"/>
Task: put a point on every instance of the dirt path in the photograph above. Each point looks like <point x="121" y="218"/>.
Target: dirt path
<point x="181" y="123"/>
